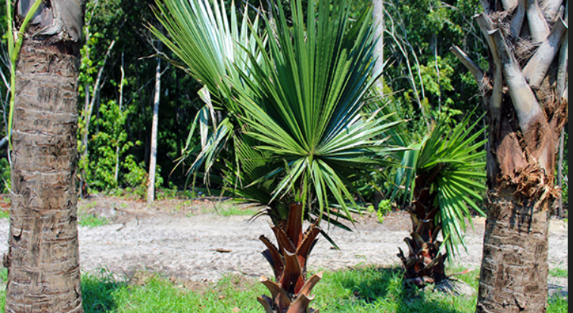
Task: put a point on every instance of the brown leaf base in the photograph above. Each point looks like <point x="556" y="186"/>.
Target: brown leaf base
<point x="290" y="292"/>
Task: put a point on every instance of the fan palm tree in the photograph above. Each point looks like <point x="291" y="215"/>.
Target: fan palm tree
<point x="442" y="174"/>
<point x="299" y="129"/>
<point x="304" y="113"/>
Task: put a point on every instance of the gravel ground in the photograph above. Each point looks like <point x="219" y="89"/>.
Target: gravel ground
<point x="168" y="239"/>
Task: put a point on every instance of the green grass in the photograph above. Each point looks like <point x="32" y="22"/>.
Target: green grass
<point x="367" y="289"/>
<point x="5" y="214"/>
<point x="559" y="272"/>
<point x="91" y="220"/>
<point x="233" y="210"/>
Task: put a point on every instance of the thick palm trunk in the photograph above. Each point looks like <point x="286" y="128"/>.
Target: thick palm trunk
<point x="525" y="92"/>
<point x="43" y="256"/>
<point x="514" y="268"/>
<point x="290" y="292"/>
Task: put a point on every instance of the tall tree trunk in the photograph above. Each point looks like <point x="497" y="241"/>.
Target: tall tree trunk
<point x="153" y="149"/>
<point x="43" y="256"/>
<point x="560" y="172"/>
<point x="116" y="174"/>
<point x="525" y="121"/>
<point x="89" y="109"/>
<point x="378" y="14"/>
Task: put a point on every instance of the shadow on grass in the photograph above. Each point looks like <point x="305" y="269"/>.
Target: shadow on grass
<point x="383" y="288"/>
<point x="98" y="291"/>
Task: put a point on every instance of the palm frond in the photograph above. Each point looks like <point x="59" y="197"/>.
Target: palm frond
<point x="305" y="100"/>
<point x="213" y="51"/>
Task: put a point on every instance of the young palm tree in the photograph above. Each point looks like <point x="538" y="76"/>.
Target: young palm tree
<point x="441" y="174"/>
<point x="43" y="255"/>
<point x="303" y="109"/>
<point x="525" y="92"/>
<point x="299" y="132"/>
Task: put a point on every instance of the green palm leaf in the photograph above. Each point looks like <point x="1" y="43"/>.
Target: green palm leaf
<point x="216" y="53"/>
<point x="456" y="157"/>
<point x="305" y="100"/>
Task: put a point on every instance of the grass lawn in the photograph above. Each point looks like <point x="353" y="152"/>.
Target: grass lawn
<point x="366" y="289"/>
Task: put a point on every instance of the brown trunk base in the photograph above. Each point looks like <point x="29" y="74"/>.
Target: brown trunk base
<point x="514" y="268"/>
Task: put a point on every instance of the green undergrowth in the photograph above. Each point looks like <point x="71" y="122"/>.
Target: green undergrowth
<point x="233" y="210"/>
<point x="222" y="209"/>
<point x="559" y="272"/>
<point x="91" y="220"/>
<point x="367" y="289"/>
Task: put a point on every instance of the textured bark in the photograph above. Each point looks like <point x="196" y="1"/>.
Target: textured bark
<point x="43" y="257"/>
<point x="514" y="268"/>
<point x="521" y="155"/>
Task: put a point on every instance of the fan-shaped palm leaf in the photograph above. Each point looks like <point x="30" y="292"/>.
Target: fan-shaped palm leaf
<point x="208" y="44"/>
<point x="307" y="112"/>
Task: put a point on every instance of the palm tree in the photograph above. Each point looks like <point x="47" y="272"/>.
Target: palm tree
<point x="43" y="256"/>
<point x="525" y="94"/>
<point x="441" y="173"/>
<point x="304" y="112"/>
<point x="299" y="129"/>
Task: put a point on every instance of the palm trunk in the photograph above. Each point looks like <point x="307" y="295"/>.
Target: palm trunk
<point x="153" y="149"/>
<point x="43" y="256"/>
<point x="424" y="263"/>
<point x="521" y="158"/>
<point x="290" y="292"/>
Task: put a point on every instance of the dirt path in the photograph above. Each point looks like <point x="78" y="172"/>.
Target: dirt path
<point x="186" y="247"/>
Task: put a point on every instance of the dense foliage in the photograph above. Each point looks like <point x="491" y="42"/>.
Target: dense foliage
<point x="422" y="79"/>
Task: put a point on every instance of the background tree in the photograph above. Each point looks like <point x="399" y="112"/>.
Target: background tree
<point x="43" y="257"/>
<point x="154" y="125"/>
<point x="525" y="94"/>
<point x="378" y="16"/>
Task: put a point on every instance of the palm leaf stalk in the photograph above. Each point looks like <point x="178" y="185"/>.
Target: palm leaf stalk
<point x="442" y="174"/>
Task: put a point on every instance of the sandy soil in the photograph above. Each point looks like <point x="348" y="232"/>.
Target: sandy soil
<point x="181" y="239"/>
